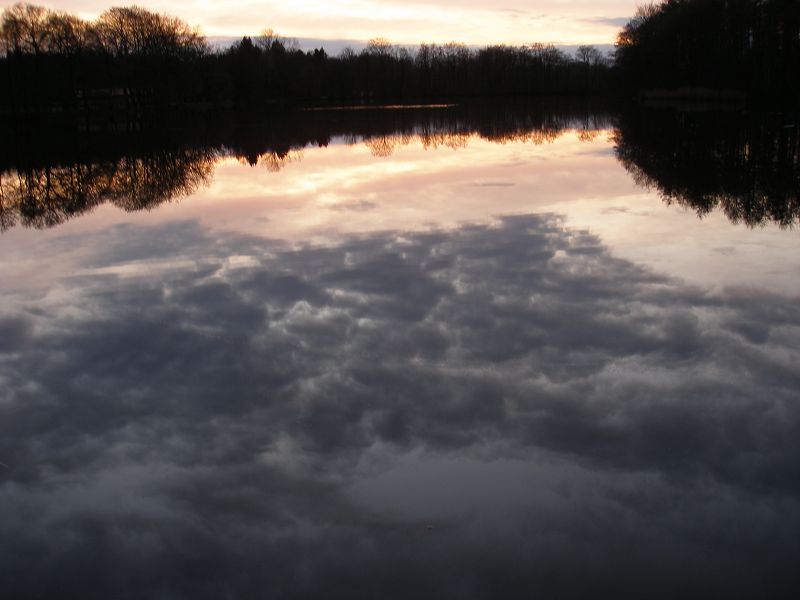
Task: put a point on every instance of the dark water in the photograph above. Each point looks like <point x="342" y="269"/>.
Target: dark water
<point x="455" y="352"/>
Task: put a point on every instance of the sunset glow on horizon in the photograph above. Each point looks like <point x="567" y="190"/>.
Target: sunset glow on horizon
<point x="516" y="22"/>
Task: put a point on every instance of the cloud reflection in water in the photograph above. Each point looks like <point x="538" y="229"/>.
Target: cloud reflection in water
<point x="501" y="410"/>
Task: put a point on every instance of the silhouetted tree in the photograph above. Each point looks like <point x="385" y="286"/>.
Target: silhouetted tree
<point x="748" y="45"/>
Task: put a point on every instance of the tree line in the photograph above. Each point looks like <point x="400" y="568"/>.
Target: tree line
<point x="747" y="45"/>
<point x="133" y="58"/>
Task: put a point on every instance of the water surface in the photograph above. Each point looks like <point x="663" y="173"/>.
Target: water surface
<point x="436" y="352"/>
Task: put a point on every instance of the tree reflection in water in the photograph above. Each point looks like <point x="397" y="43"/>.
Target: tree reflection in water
<point x="745" y="164"/>
<point x="45" y="186"/>
<point x="48" y="196"/>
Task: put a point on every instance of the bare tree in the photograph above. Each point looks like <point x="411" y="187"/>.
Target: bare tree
<point x="67" y="34"/>
<point x="380" y="47"/>
<point x="24" y="29"/>
<point x="589" y="55"/>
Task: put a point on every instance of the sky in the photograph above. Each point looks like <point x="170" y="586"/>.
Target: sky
<point x="561" y="22"/>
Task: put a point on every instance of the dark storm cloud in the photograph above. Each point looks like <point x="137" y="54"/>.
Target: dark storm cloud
<point x="192" y="431"/>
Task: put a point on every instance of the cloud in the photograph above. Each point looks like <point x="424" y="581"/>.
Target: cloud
<point x="610" y="21"/>
<point x="278" y="425"/>
<point x="355" y="205"/>
<point x="14" y="333"/>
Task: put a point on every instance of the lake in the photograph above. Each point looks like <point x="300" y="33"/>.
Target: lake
<point x="457" y="351"/>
